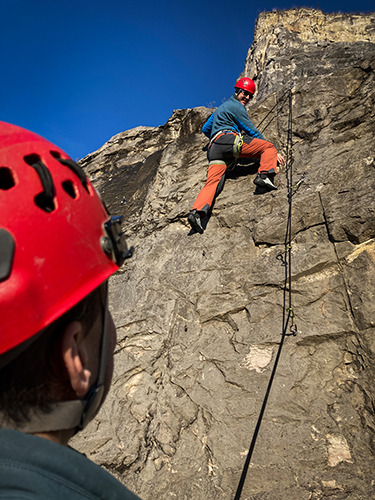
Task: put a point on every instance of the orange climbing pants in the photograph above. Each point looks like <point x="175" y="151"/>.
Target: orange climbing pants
<point x="220" y="155"/>
<point x="215" y="181"/>
<point x="265" y="151"/>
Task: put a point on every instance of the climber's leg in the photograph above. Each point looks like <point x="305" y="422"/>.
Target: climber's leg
<point x="267" y="153"/>
<point x="264" y="150"/>
<point x="214" y="184"/>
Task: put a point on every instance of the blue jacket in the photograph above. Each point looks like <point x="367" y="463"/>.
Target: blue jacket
<point x="230" y="116"/>
<point x="33" y="468"/>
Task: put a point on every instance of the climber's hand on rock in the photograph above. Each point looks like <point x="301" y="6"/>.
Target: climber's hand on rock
<point x="280" y="159"/>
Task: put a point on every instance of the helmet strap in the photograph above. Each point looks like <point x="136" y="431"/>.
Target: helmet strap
<point x="74" y="414"/>
<point x="94" y="398"/>
<point x="62" y="415"/>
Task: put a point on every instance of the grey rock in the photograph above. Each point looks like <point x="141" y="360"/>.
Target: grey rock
<point x="199" y="317"/>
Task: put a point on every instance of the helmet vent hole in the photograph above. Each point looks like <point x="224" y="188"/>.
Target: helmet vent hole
<point x="45" y="202"/>
<point x="70" y="188"/>
<point x="32" y="159"/>
<point x="6" y="178"/>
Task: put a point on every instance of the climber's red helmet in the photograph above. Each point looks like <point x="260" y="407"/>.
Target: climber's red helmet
<point x="245" y="84"/>
<point x="57" y="240"/>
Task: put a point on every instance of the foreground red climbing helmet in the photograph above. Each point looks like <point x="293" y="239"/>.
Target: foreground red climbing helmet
<point x="245" y="84"/>
<point x="57" y="241"/>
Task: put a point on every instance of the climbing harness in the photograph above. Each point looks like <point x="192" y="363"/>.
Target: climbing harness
<point x="289" y="326"/>
<point x="220" y="133"/>
<point x="236" y="148"/>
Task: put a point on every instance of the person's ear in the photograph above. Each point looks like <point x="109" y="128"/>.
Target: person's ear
<point x="74" y="356"/>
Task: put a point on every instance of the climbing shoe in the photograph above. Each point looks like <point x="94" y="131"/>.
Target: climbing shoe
<point x="195" y="221"/>
<point x="262" y="180"/>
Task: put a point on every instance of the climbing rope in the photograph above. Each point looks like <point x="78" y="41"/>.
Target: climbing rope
<point x="285" y="257"/>
<point x="280" y="104"/>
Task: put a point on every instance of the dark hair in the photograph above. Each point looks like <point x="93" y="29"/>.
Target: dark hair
<point x="34" y="378"/>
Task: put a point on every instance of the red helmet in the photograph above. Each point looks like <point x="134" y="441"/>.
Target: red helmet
<point x="245" y="84"/>
<point x="57" y="241"/>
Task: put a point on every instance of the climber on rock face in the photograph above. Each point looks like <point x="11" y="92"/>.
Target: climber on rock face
<point x="232" y="135"/>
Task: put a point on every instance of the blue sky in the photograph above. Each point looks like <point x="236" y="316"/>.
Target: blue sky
<point x="79" y="72"/>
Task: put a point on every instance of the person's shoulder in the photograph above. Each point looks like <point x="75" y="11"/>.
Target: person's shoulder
<point x="51" y="470"/>
<point x="234" y="103"/>
<point x="231" y="100"/>
<point x="228" y="104"/>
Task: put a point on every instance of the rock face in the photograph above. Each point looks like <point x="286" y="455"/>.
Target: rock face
<point x="199" y="316"/>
